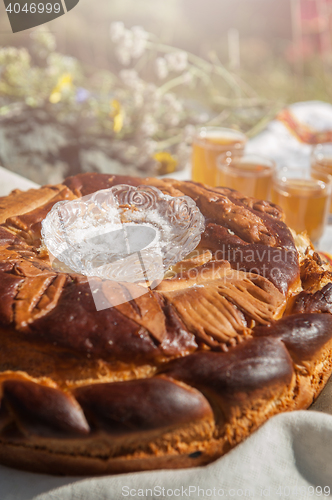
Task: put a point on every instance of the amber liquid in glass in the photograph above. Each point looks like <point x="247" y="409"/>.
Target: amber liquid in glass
<point x="305" y="203"/>
<point x="323" y="166"/>
<point x="206" y="150"/>
<point x="250" y="179"/>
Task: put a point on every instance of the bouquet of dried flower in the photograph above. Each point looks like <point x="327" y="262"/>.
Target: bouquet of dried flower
<point x="58" y="117"/>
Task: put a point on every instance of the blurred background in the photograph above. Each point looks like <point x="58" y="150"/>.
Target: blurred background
<point x="118" y="86"/>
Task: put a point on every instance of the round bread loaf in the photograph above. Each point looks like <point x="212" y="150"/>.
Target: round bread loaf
<point x="237" y="332"/>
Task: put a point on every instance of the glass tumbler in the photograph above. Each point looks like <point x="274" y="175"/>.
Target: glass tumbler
<point x="249" y="174"/>
<point x="209" y="143"/>
<point x="321" y="162"/>
<point x="304" y="198"/>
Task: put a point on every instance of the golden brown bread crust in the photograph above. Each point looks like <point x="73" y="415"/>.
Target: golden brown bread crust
<point x="174" y="378"/>
<point x="22" y="202"/>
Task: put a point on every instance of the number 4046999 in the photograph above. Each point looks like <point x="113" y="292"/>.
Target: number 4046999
<point x="33" y="8"/>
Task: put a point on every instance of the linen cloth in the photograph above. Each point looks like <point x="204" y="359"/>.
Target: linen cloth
<point x="290" y="456"/>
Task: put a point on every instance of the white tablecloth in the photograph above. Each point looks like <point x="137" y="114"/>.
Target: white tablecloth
<point x="10" y="181"/>
<point x="288" y="457"/>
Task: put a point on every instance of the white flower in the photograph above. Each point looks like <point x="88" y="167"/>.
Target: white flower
<point x="178" y="107"/>
<point x="152" y="100"/>
<point x="69" y="63"/>
<point x="44" y="38"/>
<point x="117" y="30"/>
<point x="139" y="33"/>
<point x="161" y="67"/>
<point x="123" y="56"/>
<point x="189" y="133"/>
<point x="172" y="119"/>
<point x="138" y="99"/>
<point x="138" y="49"/>
<point x="174" y="109"/>
<point x="140" y="37"/>
<point x="177" y="61"/>
<point x="130" y="78"/>
<point x="131" y="44"/>
<point x="148" y="126"/>
<point x="151" y="93"/>
<point x="10" y="55"/>
<point x="188" y="78"/>
<point x="183" y="153"/>
<point x="169" y="99"/>
<point x="173" y="103"/>
<point x="124" y="47"/>
<point x="149" y="147"/>
<point x="127" y="40"/>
